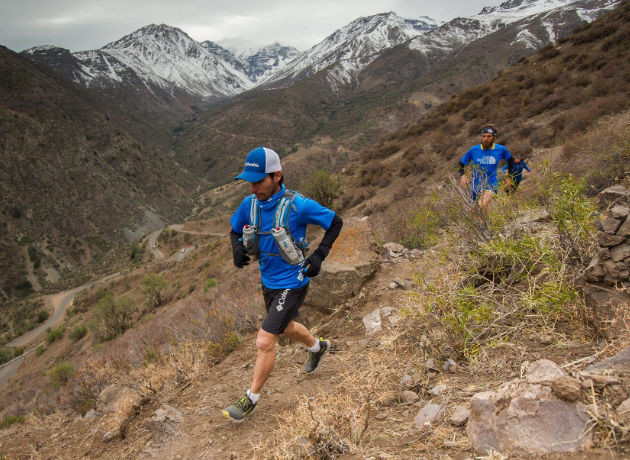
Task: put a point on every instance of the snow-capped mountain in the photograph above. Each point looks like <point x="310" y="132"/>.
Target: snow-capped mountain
<point x="355" y="45"/>
<point x="462" y="31"/>
<point x="166" y="57"/>
<point x="269" y="60"/>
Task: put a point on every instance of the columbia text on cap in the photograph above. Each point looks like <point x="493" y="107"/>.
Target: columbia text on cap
<point x="259" y="163"/>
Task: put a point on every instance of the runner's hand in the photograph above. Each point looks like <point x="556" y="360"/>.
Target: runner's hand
<point x="314" y="264"/>
<point x="240" y="256"/>
<point x="464" y="181"/>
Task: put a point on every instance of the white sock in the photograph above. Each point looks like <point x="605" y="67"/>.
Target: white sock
<point x="315" y="348"/>
<point x="253" y="396"/>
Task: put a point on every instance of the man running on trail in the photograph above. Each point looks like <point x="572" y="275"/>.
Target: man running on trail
<point x="517" y="173"/>
<point x="271" y="224"/>
<point x="485" y="159"/>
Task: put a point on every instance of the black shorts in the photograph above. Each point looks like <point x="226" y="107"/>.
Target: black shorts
<point x="282" y="306"/>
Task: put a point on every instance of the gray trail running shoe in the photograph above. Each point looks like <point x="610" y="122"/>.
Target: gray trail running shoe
<point x="241" y="409"/>
<point x="312" y="363"/>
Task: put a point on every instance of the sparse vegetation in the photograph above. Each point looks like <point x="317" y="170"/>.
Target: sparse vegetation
<point x="113" y="316"/>
<point x="61" y="374"/>
<point x="322" y="188"/>
<point x="153" y="286"/>
<point x="54" y="335"/>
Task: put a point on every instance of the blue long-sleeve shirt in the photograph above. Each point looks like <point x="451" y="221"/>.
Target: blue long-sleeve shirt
<point x="517" y="171"/>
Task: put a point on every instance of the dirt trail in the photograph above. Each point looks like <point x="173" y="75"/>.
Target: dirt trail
<point x="206" y="433"/>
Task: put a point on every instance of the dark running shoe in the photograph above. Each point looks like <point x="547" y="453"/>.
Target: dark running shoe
<point x="241" y="409"/>
<point x="312" y="363"/>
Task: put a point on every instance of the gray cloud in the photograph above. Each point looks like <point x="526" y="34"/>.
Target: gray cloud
<point x="90" y="24"/>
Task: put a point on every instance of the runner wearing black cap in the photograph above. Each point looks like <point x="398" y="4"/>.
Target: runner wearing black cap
<point x="271" y="224"/>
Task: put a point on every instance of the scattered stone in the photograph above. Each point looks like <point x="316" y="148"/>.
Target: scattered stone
<point x="403" y="284"/>
<point x="394" y="247"/>
<point x="450" y="366"/>
<point x="233" y="455"/>
<point x="431" y="364"/>
<point x="603" y="304"/>
<point x="372" y="323"/>
<point x="544" y="371"/>
<point x="410" y="397"/>
<point x="460" y="416"/>
<point x="406" y="382"/>
<point x="567" y="388"/>
<point x="362" y="343"/>
<point x="392" y="315"/>
<point x="595" y="270"/>
<point x="260" y="317"/>
<point x="588" y="383"/>
<point x="429" y="415"/>
<point x="381" y="416"/>
<point x="449" y="443"/>
<point x="431" y="375"/>
<point x="393" y="286"/>
<point x="438" y="390"/>
<point x="415" y="253"/>
<point x="111" y="435"/>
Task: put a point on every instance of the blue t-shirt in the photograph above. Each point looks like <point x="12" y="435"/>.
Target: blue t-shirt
<point x="517" y="171"/>
<point x="274" y="271"/>
<point x="485" y="164"/>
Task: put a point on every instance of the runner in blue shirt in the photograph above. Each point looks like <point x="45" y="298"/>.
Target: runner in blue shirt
<point x="485" y="159"/>
<point x="517" y="173"/>
<point x="272" y="222"/>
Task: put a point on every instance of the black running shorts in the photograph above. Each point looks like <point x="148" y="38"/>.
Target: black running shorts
<point x="282" y="306"/>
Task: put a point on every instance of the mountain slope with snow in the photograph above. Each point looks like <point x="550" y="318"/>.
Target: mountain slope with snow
<point x="355" y="45"/>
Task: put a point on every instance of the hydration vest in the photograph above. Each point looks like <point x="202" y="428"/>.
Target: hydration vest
<point x="281" y="220"/>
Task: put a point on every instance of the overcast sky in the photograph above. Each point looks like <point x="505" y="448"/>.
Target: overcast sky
<point x="81" y="25"/>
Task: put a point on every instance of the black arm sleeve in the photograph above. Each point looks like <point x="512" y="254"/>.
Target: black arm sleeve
<point x="235" y="238"/>
<point x="510" y="165"/>
<point x="329" y="237"/>
<point x="461" y="168"/>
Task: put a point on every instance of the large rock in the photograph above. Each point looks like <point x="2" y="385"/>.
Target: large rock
<point x="166" y="436"/>
<point x="349" y="265"/>
<point x="620" y="252"/>
<point x="615" y="195"/>
<point x="609" y="225"/>
<point x="624" y="230"/>
<point x="117" y="398"/>
<point x="522" y="418"/>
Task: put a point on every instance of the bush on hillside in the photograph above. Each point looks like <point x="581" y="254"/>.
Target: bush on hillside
<point x="54" y="334"/>
<point x="322" y="188"/>
<point x="61" y="374"/>
<point x="113" y="316"/>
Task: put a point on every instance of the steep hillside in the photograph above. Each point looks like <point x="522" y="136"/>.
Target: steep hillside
<point x="547" y="100"/>
<point x="400" y="85"/>
<point x="78" y="175"/>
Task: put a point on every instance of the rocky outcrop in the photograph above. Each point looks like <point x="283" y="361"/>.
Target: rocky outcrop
<point x="350" y="264"/>
<point x="608" y="274"/>
<point x="524" y="417"/>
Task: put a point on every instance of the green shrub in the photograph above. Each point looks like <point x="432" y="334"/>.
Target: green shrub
<point x="42" y="316"/>
<point x="322" y="188"/>
<point x="211" y="283"/>
<point x="54" y="334"/>
<point x="61" y="374"/>
<point x="18" y="351"/>
<point x="78" y="332"/>
<point x="5" y="355"/>
<point x="10" y="420"/>
<point x="40" y="350"/>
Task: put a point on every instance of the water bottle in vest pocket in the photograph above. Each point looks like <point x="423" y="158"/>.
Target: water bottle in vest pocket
<point x="287" y="247"/>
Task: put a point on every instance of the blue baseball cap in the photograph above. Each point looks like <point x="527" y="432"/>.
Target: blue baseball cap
<point x="259" y="163"/>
